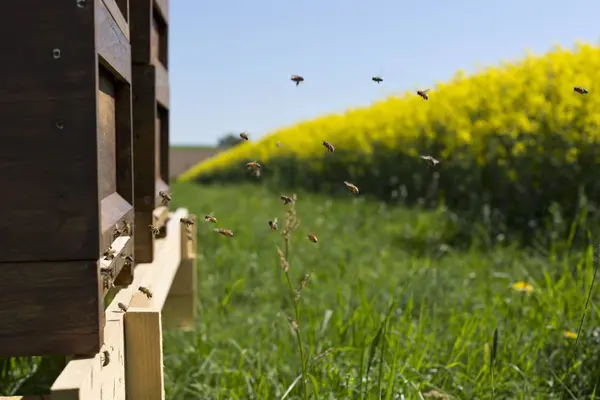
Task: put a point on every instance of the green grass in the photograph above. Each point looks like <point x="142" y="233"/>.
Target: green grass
<point x="397" y="306"/>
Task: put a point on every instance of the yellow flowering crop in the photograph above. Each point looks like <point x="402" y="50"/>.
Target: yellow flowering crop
<point x="513" y="132"/>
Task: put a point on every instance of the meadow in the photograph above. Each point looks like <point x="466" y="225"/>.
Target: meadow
<point x="395" y="306"/>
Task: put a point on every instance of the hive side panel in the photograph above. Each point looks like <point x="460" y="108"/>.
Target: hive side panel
<point x="144" y="144"/>
<point x="50" y="309"/>
<point x="49" y="147"/>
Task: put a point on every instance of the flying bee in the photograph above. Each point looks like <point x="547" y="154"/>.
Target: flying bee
<point x="166" y="197"/>
<point x="145" y="291"/>
<point x="352" y="187"/>
<point x="330" y="148"/>
<point x="224" y="232"/>
<point x="580" y="90"/>
<point x="430" y="160"/>
<point x="105" y="358"/>
<point x="297" y="79"/>
<point x="109" y="253"/>
<point x="278" y="144"/>
<point x="244" y="136"/>
<point x="210" y="218"/>
<point x="313" y="238"/>
<point x="187" y="221"/>
<point x="377" y="79"/>
<point x="122" y="306"/>
<point x="286" y="200"/>
<point x="423" y="94"/>
<point x="253" y="165"/>
<point x="273" y="224"/>
<point x="155" y="231"/>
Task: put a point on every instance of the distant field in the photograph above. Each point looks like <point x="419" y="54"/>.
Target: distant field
<point x="184" y="157"/>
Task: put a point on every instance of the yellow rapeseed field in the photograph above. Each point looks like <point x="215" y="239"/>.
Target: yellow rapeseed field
<point x="531" y="97"/>
<point x="514" y="142"/>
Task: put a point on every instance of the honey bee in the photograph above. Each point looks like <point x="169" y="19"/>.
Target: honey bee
<point x="430" y="160"/>
<point x="423" y="94"/>
<point x="313" y="238"/>
<point x="187" y="221"/>
<point x="106" y="271"/>
<point x="210" y="218"/>
<point x="580" y="90"/>
<point x="377" y="79"/>
<point x="105" y="358"/>
<point x="297" y="79"/>
<point x="155" y="231"/>
<point x="109" y="253"/>
<point x="328" y="146"/>
<point x="244" y="136"/>
<point x="107" y="274"/>
<point x="273" y="224"/>
<point x="253" y="165"/>
<point x="123" y="307"/>
<point x="166" y="197"/>
<point x="224" y="232"/>
<point x="278" y="145"/>
<point x="286" y="200"/>
<point x="352" y="187"/>
<point x="128" y="259"/>
<point x="145" y="291"/>
<point x="190" y="236"/>
<point x="126" y="228"/>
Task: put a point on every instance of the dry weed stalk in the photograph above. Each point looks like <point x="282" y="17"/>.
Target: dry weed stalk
<point x="291" y="223"/>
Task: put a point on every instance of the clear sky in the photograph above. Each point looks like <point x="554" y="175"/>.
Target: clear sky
<point x="231" y="60"/>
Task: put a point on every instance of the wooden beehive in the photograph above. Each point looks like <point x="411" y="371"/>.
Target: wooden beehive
<point x="67" y="171"/>
<point x="149" y="40"/>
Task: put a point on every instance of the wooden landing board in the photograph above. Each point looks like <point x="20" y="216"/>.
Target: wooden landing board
<point x="88" y="379"/>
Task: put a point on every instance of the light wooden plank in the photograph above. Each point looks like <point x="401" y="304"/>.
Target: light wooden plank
<point x="143" y="340"/>
<point x="179" y="311"/>
<point x="87" y="379"/>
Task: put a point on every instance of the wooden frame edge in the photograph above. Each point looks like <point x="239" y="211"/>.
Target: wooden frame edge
<point x="88" y="378"/>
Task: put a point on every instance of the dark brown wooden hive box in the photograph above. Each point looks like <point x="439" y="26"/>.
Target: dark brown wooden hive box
<point x="149" y="41"/>
<point x="66" y="167"/>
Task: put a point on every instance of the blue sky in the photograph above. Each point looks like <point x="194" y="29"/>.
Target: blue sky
<point x="230" y="60"/>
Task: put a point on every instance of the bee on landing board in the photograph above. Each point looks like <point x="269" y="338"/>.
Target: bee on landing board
<point x="580" y="90"/>
<point x="105" y="358"/>
<point x="155" y="231"/>
<point x="286" y="200"/>
<point x="166" y="197"/>
<point x="122" y="306"/>
<point x="328" y="146"/>
<point x="253" y="165"/>
<point x="377" y="79"/>
<point x="313" y="238"/>
<point x="273" y="224"/>
<point x="145" y="291"/>
<point x="210" y="218"/>
<point x="430" y="160"/>
<point x="297" y="78"/>
<point x="128" y="259"/>
<point x="224" y="232"/>
<point x="352" y="187"/>
<point x="244" y="136"/>
<point x="187" y="221"/>
<point x="109" y="253"/>
<point x="423" y="94"/>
